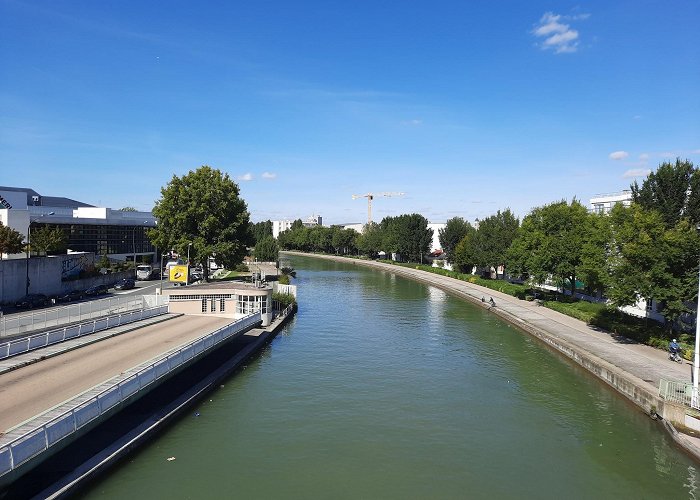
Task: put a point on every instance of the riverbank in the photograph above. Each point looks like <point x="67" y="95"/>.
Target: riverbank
<point x="632" y="369"/>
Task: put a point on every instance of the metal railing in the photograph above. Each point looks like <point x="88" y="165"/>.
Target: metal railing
<point x="56" y="316"/>
<point x="677" y="392"/>
<point x="32" y="342"/>
<point x="29" y="445"/>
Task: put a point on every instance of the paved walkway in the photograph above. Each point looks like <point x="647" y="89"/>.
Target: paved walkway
<point x="87" y="362"/>
<point x="647" y="364"/>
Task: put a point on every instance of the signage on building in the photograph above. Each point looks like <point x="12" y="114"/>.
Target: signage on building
<point x="16" y="200"/>
<point x="178" y="274"/>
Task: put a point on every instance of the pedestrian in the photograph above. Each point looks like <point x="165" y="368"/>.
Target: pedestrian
<point x="491" y="301"/>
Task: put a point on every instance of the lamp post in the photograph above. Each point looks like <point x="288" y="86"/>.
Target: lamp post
<point x="29" y="242"/>
<point x="696" y="359"/>
<point x="187" y="281"/>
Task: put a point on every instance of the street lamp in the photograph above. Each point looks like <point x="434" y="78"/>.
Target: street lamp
<point x="187" y="280"/>
<point x="696" y="360"/>
<point x="29" y="242"/>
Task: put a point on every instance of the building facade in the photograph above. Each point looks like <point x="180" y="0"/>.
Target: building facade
<point x="118" y="235"/>
<point x="280" y="226"/>
<point x="603" y="203"/>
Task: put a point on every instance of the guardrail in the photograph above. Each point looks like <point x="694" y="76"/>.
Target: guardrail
<point x="55" y="316"/>
<point x="35" y="442"/>
<point x="26" y="344"/>
<point x="677" y="392"/>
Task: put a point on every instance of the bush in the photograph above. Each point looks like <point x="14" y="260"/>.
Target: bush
<point x="283" y="279"/>
<point x="242" y="268"/>
<point x="282" y="300"/>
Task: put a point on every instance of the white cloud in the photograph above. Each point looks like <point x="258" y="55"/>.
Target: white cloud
<point x="558" y="35"/>
<point x="269" y="175"/>
<point x="414" y="122"/>
<point x="245" y="177"/>
<point x="618" y="155"/>
<point x="644" y="157"/>
<point x="636" y="172"/>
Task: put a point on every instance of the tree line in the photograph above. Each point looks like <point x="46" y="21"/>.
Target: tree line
<point x="648" y="250"/>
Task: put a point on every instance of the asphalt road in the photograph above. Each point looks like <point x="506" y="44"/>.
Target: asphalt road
<point x="33" y="389"/>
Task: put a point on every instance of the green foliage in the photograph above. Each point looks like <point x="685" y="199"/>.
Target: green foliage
<point x="241" y="267"/>
<point x="203" y="208"/>
<point x="103" y="263"/>
<point x="649" y="260"/>
<point x="493" y="239"/>
<point x="673" y="190"/>
<point x="11" y="241"/>
<point x="128" y="209"/>
<point x="47" y="239"/>
<point x="283" y="300"/>
<point x="283" y="279"/>
<point x="370" y="242"/>
<point x="266" y="249"/>
<point x="550" y="242"/>
<point x="464" y="254"/>
<point x="318" y="239"/>
<point x="260" y="230"/>
<point x="454" y="231"/>
<point x="408" y="235"/>
<point x="288" y="271"/>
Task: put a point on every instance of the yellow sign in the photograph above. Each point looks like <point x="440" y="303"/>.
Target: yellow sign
<point x="178" y="274"/>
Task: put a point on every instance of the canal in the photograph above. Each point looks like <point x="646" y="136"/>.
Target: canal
<point x="385" y="388"/>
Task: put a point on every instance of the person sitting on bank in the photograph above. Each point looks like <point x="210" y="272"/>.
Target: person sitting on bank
<point x="492" y="302"/>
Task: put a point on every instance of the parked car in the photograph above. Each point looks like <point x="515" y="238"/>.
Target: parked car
<point x="70" y="296"/>
<point x="95" y="290"/>
<point x="33" y="300"/>
<point x="125" y="284"/>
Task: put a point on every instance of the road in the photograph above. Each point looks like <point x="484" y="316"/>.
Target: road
<point x="33" y="389"/>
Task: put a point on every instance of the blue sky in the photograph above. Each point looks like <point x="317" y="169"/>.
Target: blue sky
<point x="465" y="107"/>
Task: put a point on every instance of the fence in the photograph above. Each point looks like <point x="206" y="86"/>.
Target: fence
<point x="56" y="316"/>
<point x="284" y="289"/>
<point x="36" y="441"/>
<point x="677" y="392"/>
<point x="26" y="344"/>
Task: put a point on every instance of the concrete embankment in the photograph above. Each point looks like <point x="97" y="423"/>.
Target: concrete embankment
<point x="634" y="370"/>
<point x="133" y="425"/>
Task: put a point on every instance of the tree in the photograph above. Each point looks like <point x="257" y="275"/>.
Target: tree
<point x="266" y="250"/>
<point x="260" y="230"/>
<point x="673" y="190"/>
<point x="649" y="261"/>
<point x="343" y="239"/>
<point x="371" y="241"/>
<point x="549" y="243"/>
<point x="493" y="239"/>
<point x="454" y="231"/>
<point x="48" y="239"/>
<point x="11" y="241"/>
<point x="595" y="251"/>
<point x="407" y="235"/>
<point x="464" y="257"/>
<point x="203" y="208"/>
<point x="128" y="209"/>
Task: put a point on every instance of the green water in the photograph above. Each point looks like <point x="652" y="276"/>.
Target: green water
<point x="385" y="388"/>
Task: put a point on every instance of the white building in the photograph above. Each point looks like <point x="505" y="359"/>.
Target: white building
<point x="102" y="231"/>
<point x="603" y="203"/>
<point x="436" y="227"/>
<point x="280" y="226"/>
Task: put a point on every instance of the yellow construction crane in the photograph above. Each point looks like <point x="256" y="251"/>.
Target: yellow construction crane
<point x="370" y="197"/>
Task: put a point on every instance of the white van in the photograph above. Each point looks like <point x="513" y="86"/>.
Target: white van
<point x="146" y="272"/>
